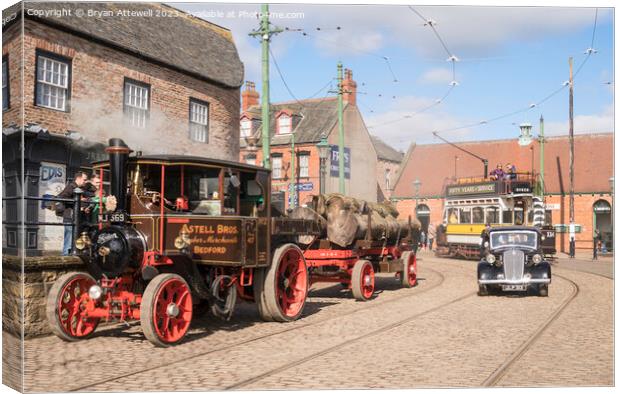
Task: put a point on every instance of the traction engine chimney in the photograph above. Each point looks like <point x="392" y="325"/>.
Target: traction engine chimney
<point x="118" y="152"/>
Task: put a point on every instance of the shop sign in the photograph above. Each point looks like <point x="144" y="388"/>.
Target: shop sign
<point x="334" y="166"/>
<point x="52" y="178"/>
<point x="304" y="186"/>
<point x="466" y="190"/>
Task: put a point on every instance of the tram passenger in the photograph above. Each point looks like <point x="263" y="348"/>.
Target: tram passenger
<point x="497" y="173"/>
<point x="511" y="172"/>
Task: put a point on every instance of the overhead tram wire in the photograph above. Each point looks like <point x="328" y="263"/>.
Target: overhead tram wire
<point x="588" y="52"/>
<point x="451" y="58"/>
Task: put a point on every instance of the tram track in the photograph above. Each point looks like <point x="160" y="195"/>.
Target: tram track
<point x="503" y="369"/>
<point x="341" y="345"/>
<point x="371" y="305"/>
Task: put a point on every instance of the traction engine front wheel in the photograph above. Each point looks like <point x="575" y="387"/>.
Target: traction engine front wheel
<point x="66" y="307"/>
<point x="166" y="310"/>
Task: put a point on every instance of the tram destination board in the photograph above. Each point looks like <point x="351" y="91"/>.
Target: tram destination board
<point x="472" y="189"/>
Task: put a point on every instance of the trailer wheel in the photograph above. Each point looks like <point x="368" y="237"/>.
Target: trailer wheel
<point x="409" y="274"/>
<point x="166" y="310"/>
<point x="259" y="294"/>
<point x="65" y="306"/>
<point x="362" y="280"/>
<point x="286" y="284"/>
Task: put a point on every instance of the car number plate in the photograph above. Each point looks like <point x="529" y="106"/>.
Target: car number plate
<point x="514" y="287"/>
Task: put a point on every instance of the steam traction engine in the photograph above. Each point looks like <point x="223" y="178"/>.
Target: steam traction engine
<point x="186" y="230"/>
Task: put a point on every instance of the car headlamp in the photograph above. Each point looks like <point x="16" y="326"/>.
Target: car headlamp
<point x="490" y="258"/>
<point x="537" y="259"/>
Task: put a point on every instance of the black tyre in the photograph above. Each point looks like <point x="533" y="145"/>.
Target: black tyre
<point x="166" y="310"/>
<point x="483" y="290"/>
<point x="65" y="307"/>
<point x="543" y="290"/>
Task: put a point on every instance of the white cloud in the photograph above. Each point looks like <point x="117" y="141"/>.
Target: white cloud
<point x="584" y="124"/>
<point x="400" y="125"/>
<point x="437" y="76"/>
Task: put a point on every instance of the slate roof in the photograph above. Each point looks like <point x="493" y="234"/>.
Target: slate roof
<point x="318" y="116"/>
<point x="185" y="43"/>
<point x="433" y="164"/>
<point x="386" y="152"/>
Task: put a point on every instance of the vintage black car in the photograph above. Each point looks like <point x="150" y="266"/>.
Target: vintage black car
<point x="512" y="260"/>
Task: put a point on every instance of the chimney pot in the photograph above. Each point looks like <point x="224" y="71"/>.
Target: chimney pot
<point x="249" y="96"/>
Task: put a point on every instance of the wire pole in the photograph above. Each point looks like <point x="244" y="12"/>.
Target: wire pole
<point x="265" y="33"/>
<point x="293" y="192"/>
<point x="571" y="140"/>
<point x="340" y="132"/>
<point x="541" y="141"/>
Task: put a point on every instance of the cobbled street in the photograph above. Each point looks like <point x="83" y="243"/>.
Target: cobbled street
<point x="438" y="334"/>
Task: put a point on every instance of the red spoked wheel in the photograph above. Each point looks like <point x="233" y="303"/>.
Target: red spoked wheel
<point x="409" y="274"/>
<point x="66" y="307"/>
<point x="166" y="310"/>
<point x="363" y="280"/>
<point x="286" y="284"/>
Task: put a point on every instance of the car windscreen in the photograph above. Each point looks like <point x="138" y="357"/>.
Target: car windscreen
<point x="502" y="239"/>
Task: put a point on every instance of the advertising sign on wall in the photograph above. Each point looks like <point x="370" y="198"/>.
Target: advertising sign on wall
<point x="52" y="178"/>
<point x="335" y="163"/>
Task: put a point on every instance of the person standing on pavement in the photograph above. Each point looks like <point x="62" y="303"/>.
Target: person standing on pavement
<point x="571" y="247"/>
<point x="67" y="212"/>
<point x="432" y="231"/>
<point x="422" y="240"/>
<point x="596" y="240"/>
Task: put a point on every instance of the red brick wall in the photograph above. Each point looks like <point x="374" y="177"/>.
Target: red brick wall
<point x="283" y="183"/>
<point x="12" y="48"/>
<point x="98" y="74"/>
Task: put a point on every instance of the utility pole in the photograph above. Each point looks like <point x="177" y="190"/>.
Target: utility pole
<point x="571" y="157"/>
<point x="293" y="192"/>
<point x="265" y="33"/>
<point x="541" y="141"/>
<point x="340" y="132"/>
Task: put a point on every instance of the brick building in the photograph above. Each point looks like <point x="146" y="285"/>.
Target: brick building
<point x="436" y="165"/>
<point x="307" y="121"/>
<point x="164" y="81"/>
<point x="388" y="165"/>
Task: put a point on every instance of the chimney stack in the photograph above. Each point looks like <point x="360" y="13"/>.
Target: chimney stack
<point x="249" y="96"/>
<point x="349" y="87"/>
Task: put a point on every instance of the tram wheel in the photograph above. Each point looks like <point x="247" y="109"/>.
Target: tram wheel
<point x="65" y="306"/>
<point x="166" y="310"/>
<point x="409" y="274"/>
<point x="363" y="280"/>
<point x="259" y="294"/>
<point x="286" y="284"/>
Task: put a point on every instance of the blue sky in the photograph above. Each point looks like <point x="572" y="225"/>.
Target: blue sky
<point x="510" y="57"/>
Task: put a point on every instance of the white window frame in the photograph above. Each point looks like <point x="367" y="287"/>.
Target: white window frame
<point x="287" y="122"/>
<point x="304" y="163"/>
<point x="250" y="160"/>
<point x="199" y="121"/>
<point x="276" y="167"/>
<point x="136" y="102"/>
<point x="52" y="82"/>
<point x="245" y="128"/>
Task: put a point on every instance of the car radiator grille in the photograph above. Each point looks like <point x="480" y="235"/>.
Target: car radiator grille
<point x="513" y="264"/>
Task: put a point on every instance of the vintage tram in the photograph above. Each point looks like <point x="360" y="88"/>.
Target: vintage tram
<point x="473" y="204"/>
<point x="187" y="231"/>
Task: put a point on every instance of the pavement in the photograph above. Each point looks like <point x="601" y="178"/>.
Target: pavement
<point x="438" y="334"/>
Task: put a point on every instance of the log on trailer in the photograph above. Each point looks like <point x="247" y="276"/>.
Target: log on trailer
<point x="346" y="219"/>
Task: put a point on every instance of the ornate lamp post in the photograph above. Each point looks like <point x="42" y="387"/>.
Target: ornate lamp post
<point x="323" y="147"/>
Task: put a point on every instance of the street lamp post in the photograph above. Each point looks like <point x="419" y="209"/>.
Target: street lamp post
<point x="416" y="185"/>
<point x="323" y="147"/>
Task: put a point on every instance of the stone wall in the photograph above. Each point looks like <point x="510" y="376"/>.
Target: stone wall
<point x="24" y="292"/>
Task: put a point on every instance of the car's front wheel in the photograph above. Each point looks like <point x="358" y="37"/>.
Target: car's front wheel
<point x="543" y="290"/>
<point x="483" y="290"/>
